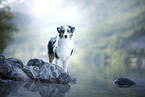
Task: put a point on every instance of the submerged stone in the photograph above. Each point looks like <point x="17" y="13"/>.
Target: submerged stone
<point x="123" y="82"/>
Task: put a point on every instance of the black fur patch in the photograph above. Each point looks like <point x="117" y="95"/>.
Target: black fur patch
<point x="71" y="52"/>
<point x="72" y="29"/>
<point x="50" y="48"/>
<point x="56" y="56"/>
<point x="51" y="44"/>
<point x="62" y="29"/>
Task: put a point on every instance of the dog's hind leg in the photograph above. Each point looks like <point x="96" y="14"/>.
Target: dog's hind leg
<point x="51" y="54"/>
<point x="51" y="58"/>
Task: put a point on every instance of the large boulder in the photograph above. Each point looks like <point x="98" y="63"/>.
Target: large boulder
<point x="31" y="71"/>
<point x="36" y="62"/>
<point x="16" y="62"/>
<point x="54" y="74"/>
<point x="18" y="74"/>
<point x="49" y="72"/>
<point x="5" y="66"/>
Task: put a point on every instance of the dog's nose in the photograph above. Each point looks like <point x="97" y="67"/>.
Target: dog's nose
<point x="65" y="36"/>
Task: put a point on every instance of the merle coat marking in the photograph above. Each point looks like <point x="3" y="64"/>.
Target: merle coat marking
<point x="60" y="47"/>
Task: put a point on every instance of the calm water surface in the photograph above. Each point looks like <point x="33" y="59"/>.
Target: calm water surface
<point x="94" y="79"/>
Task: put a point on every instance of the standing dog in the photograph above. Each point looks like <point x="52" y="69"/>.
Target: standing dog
<point x="61" y="46"/>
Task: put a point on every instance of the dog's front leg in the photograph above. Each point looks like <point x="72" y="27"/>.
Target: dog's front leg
<point x="58" y="62"/>
<point x="65" y="65"/>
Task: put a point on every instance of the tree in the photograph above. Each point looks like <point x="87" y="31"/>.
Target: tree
<point x="7" y="27"/>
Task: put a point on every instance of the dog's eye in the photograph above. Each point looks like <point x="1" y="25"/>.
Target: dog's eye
<point x="67" y="30"/>
<point x="63" y="31"/>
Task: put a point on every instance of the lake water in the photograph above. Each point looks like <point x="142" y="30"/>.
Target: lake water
<point x="94" y="79"/>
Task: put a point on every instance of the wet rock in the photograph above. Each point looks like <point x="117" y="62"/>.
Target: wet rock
<point x="31" y="71"/>
<point x="16" y="62"/>
<point x="36" y="62"/>
<point x="17" y="74"/>
<point x="5" y="66"/>
<point x="123" y="82"/>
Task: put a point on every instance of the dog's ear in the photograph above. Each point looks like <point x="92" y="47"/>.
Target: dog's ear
<point x="72" y="29"/>
<point x="58" y="29"/>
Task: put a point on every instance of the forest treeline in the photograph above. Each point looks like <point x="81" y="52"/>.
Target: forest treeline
<point x="102" y="27"/>
<point x="7" y="27"/>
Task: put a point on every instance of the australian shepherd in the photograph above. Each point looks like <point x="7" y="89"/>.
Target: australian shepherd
<point x="60" y="47"/>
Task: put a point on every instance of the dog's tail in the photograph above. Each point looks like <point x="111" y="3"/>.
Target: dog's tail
<point x="51" y="48"/>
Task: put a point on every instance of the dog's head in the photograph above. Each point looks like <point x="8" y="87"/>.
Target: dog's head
<point x="66" y="31"/>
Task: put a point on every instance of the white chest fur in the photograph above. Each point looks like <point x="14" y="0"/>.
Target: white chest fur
<point x="64" y="48"/>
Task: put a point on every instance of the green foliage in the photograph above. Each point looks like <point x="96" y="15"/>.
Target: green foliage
<point x="7" y="26"/>
<point x="111" y="27"/>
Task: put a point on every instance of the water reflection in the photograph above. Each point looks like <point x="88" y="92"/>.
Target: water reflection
<point x="33" y="89"/>
<point x="97" y="73"/>
<point x="95" y="77"/>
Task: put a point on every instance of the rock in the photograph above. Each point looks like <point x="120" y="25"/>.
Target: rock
<point x="18" y="75"/>
<point x="36" y="69"/>
<point x="31" y="71"/>
<point x="54" y="74"/>
<point x="73" y="80"/>
<point x="36" y="62"/>
<point x="123" y="82"/>
<point x="11" y="69"/>
<point x="49" y="73"/>
<point x="64" y="78"/>
<point x="16" y="62"/>
<point x="5" y="66"/>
